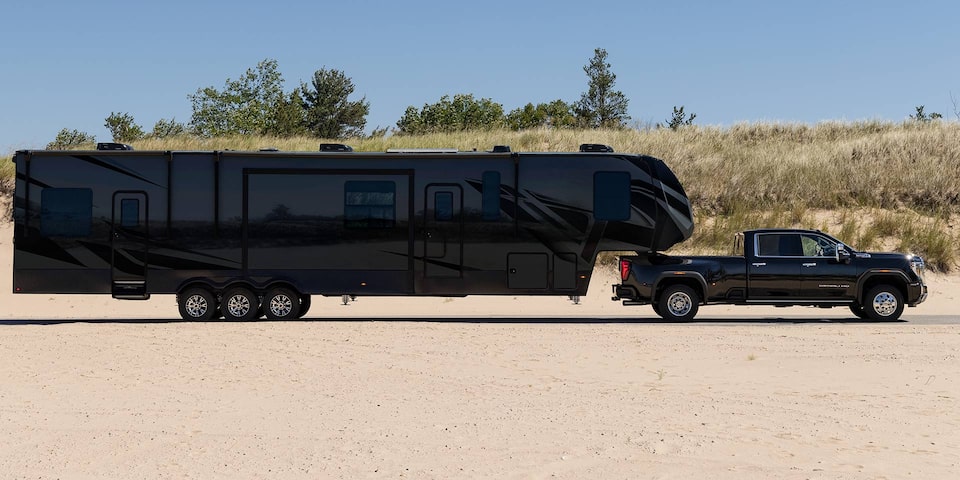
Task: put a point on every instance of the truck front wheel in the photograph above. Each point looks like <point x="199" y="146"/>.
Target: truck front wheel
<point x="678" y="303"/>
<point x="883" y="303"/>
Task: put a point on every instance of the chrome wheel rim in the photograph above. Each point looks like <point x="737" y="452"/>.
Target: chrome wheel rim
<point x="885" y="304"/>
<point x="679" y="304"/>
<point x="196" y="306"/>
<point x="281" y="305"/>
<point x="238" y="305"/>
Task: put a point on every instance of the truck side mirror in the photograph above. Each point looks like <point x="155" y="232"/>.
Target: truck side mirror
<point x="843" y="256"/>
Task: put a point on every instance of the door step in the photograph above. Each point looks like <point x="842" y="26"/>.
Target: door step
<point x="130" y="290"/>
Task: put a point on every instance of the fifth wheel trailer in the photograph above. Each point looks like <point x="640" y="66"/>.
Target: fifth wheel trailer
<point x="244" y="234"/>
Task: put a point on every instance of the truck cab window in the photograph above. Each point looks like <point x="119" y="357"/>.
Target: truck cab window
<point x="817" y="246"/>
<point x="779" y="245"/>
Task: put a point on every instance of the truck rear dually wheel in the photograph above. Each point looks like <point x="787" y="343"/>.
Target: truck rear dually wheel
<point x="678" y="303"/>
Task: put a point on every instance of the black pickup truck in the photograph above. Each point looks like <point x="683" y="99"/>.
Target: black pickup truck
<point x="775" y="267"/>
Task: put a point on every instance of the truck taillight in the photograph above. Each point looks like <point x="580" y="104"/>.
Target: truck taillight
<point x="624" y="270"/>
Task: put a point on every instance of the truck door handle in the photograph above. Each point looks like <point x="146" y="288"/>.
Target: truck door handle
<point x="809" y="264"/>
<point x="760" y="264"/>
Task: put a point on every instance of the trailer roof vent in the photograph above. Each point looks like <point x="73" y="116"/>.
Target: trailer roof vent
<point x="113" y="146"/>
<point x="596" y="147"/>
<point x="335" y="147"/>
<point x="501" y="149"/>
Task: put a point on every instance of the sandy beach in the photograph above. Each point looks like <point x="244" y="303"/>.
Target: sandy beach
<point x="476" y="387"/>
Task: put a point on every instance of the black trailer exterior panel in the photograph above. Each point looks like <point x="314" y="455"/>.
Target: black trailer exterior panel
<point x="132" y="223"/>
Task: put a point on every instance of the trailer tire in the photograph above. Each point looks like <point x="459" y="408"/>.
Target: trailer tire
<point x="281" y="303"/>
<point x="197" y="303"/>
<point x="304" y="305"/>
<point x="678" y="303"/>
<point x="240" y="304"/>
<point x="883" y="303"/>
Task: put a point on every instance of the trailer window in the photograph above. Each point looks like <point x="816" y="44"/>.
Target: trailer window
<point x="491" y="196"/>
<point x="129" y="212"/>
<point x="443" y="206"/>
<point x="611" y="196"/>
<point x="370" y="204"/>
<point x="66" y="212"/>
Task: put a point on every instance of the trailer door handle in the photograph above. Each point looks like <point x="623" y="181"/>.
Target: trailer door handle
<point x="760" y="264"/>
<point x="809" y="264"/>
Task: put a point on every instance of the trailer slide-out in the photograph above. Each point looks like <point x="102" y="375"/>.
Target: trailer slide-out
<point x="243" y="234"/>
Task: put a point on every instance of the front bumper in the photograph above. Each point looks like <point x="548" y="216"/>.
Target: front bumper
<point x="916" y="293"/>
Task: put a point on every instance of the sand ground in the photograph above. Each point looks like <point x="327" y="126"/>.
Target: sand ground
<point x="477" y="387"/>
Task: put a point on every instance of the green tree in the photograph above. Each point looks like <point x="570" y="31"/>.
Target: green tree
<point x="328" y="110"/>
<point x="67" y="139"/>
<point x="554" y="114"/>
<point x="462" y="112"/>
<point x="601" y="105"/>
<point x="288" y="118"/>
<point x="168" y="128"/>
<point x="679" y="119"/>
<point x="921" y="116"/>
<point x="243" y="107"/>
<point x="122" y="128"/>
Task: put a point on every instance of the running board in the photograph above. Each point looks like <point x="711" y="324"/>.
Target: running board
<point x="130" y="290"/>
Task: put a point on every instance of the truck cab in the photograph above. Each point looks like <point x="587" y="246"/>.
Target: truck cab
<point x="781" y="267"/>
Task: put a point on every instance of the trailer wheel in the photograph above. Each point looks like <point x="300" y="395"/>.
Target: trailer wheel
<point x="678" y="303"/>
<point x="197" y="304"/>
<point x="281" y="303"/>
<point x="883" y="303"/>
<point x="304" y="305"/>
<point x="240" y="304"/>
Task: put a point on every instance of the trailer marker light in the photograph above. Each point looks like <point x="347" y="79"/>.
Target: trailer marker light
<point x="363" y="284"/>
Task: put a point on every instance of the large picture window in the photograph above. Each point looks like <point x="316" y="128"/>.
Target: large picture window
<point x="66" y="212"/>
<point x="370" y="204"/>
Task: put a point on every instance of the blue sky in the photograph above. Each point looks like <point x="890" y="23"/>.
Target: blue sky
<point x="69" y="64"/>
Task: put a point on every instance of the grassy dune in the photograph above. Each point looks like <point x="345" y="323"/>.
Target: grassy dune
<point x="874" y="184"/>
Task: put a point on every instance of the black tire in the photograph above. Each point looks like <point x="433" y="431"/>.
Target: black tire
<point x="240" y="304"/>
<point x="883" y="303"/>
<point x="281" y="303"/>
<point x="656" y="308"/>
<point x="304" y="305"/>
<point x="857" y="310"/>
<point x="678" y="303"/>
<point x="197" y="304"/>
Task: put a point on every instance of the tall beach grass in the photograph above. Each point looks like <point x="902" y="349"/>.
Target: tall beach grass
<point x="744" y="176"/>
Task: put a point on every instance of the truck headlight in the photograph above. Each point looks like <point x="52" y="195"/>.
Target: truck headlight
<point x="917" y="265"/>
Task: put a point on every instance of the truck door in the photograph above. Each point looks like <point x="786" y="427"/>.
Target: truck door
<point x="128" y="239"/>
<point x="443" y="231"/>
<point x="774" y="270"/>
<point x="824" y="277"/>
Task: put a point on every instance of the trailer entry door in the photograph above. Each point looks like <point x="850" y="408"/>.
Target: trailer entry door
<point x="443" y="231"/>
<point x="128" y="238"/>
